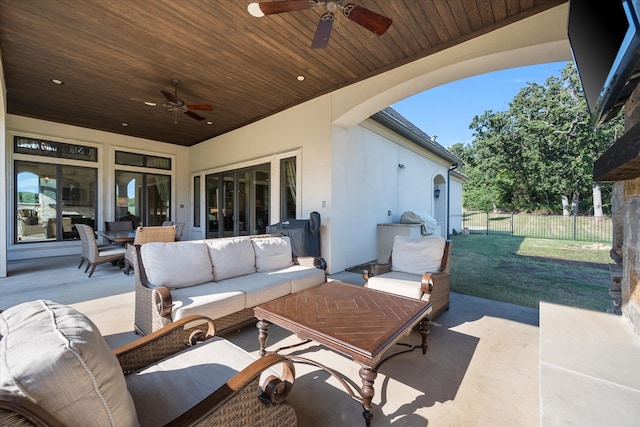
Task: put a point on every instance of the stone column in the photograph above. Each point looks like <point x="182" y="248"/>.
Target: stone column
<point x="626" y="227"/>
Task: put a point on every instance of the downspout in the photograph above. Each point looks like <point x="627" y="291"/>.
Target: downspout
<point x="453" y="167"/>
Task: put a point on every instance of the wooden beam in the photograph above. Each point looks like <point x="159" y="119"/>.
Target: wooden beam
<point x="621" y="162"/>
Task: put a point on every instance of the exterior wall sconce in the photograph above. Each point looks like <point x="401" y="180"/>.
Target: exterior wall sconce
<point x="436" y="192"/>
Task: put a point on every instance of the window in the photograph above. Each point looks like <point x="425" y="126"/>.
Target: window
<point x="51" y="199"/>
<point x="196" y="201"/>
<point x="51" y="195"/>
<point x="288" y="207"/>
<point x="142" y="196"/>
<point x="61" y="150"/>
<point x="142" y="160"/>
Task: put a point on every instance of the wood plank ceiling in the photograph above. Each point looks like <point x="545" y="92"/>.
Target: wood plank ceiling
<point x="113" y="55"/>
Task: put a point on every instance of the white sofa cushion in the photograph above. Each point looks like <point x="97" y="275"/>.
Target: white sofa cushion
<point x="56" y="357"/>
<point x="172" y="386"/>
<point x="176" y="264"/>
<point x="231" y="257"/>
<point x="301" y="277"/>
<point x="259" y="288"/>
<point x="417" y="255"/>
<point x="272" y="253"/>
<point x="213" y="299"/>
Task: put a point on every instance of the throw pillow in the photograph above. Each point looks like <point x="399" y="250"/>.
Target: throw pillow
<point x="417" y="255"/>
<point x="56" y="357"/>
<point x="272" y="253"/>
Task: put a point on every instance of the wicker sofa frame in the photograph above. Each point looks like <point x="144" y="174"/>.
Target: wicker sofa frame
<point x="153" y="305"/>
<point x="236" y="403"/>
<point x="437" y="284"/>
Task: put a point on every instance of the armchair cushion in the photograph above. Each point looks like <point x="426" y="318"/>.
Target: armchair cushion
<point x="231" y="257"/>
<point x="272" y="253"/>
<point x="398" y="282"/>
<point x="192" y="375"/>
<point x="176" y="264"/>
<point x="57" y="358"/>
<point x="417" y="255"/>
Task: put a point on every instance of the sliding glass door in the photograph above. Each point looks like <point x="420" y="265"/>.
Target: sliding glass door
<point x="238" y="202"/>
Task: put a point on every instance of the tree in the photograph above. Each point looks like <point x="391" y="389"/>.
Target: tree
<point x="539" y="154"/>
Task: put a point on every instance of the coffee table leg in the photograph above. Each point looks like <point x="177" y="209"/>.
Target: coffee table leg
<point x="368" y="376"/>
<point x="424" y="331"/>
<point x="263" y="327"/>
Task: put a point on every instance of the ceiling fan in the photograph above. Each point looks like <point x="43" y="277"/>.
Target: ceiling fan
<point x="176" y="104"/>
<point x="370" y="20"/>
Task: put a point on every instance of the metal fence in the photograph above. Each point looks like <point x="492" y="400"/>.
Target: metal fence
<point x="575" y="227"/>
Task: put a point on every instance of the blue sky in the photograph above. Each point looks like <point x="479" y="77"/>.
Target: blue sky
<point x="447" y="110"/>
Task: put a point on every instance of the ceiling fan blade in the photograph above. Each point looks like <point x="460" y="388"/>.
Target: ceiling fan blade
<point x="170" y="97"/>
<point x="323" y="32"/>
<point x="199" y="107"/>
<point x="269" y="8"/>
<point x="372" y="21"/>
<point x="194" y="115"/>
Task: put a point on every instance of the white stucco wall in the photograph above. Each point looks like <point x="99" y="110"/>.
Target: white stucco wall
<point x="455" y="208"/>
<point x="369" y="184"/>
<point x="305" y="129"/>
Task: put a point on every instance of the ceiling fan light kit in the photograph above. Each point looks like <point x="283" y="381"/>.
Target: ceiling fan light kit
<point x="368" y="19"/>
<point x="176" y="104"/>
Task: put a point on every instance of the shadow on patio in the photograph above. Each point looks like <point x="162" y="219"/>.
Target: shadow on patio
<point x="481" y="367"/>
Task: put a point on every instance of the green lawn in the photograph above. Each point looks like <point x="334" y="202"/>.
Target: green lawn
<point x="525" y="271"/>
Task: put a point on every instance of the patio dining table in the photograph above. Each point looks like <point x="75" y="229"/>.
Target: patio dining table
<point x="118" y="236"/>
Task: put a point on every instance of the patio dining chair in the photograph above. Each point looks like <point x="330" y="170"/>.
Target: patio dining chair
<point x="179" y="228"/>
<point x="118" y="225"/>
<point x="92" y="253"/>
<point x="146" y="235"/>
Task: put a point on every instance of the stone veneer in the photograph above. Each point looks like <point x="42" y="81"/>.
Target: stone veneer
<point x="626" y="225"/>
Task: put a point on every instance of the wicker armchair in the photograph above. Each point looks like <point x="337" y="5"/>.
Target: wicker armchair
<point x="93" y="254"/>
<point x="431" y="286"/>
<point x="239" y="401"/>
<point x="146" y="235"/>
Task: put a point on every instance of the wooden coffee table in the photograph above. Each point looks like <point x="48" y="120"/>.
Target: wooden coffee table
<point x="355" y="321"/>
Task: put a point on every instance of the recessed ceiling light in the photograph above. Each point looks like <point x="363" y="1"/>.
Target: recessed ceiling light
<point x="150" y="104"/>
<point x="209" y="122"/>
<point x="300" y="78"/>
<point x="57" y="81"/>
<point x="125" y="124"/>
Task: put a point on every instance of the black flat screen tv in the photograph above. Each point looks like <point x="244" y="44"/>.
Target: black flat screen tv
<point x="605" y="42"/>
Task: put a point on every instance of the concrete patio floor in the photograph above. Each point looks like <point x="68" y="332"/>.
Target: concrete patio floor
<point x="482" y="368"/>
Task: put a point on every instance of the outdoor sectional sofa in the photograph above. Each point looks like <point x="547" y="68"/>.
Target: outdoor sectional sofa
<point x="223" y="279"/>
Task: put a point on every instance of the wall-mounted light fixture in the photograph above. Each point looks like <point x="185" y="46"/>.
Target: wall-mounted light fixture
<point x="401" y="166"/>
<point x="436" y="192"/>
